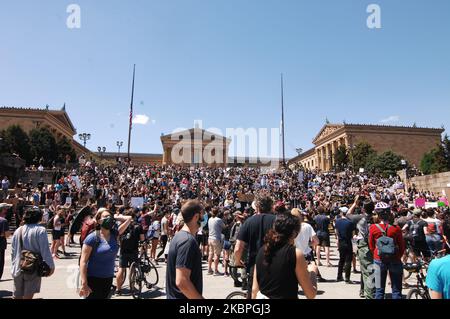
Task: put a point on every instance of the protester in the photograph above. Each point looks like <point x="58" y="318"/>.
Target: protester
<point x="438" y="278"/>
<point x="184" y="265"/>
<point x="4" y="235"/>
<point x="99" y="254"/>
<point x="280" y="267"/>
<point x="251" y="235"/>
<point x="387" y="253"/>
<point x="344" y="233"/>
<point x="215" y="227"/>
<point x="30" y="237"/>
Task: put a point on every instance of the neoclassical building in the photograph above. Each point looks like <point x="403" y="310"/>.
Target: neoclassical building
<point x="196" y="147"/>
<point x="410" y="142"/>
<point x="56" y="121"/>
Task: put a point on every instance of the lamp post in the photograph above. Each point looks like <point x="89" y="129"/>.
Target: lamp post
<point x="102" y="151"/>
<point x="119" y="145"/>
<point x="84" y="137"/>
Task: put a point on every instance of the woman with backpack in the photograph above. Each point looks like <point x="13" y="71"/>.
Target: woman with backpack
<point x="99" y="254"/>
<point x="32" y="238"/>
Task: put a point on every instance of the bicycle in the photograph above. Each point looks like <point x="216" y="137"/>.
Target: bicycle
<point x="142" y="273"/>
<point x="421" y="290"/>
<point x="234" y="271"/>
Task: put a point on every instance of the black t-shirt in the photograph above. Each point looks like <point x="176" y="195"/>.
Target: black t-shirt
<point x="130" y="240"/>
<point x="183" y="253"/>
<point x="278" y="280"/>
<point x="345" y="230"/>
<point x="322" y="224"/>
<point x="252" y="232"/>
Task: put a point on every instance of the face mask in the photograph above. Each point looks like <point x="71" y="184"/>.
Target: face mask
<point x="108" y="223"/>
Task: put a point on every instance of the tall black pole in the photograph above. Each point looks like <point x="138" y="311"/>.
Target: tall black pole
<point x="131" y="114"/>
<point x="282" y="119"/>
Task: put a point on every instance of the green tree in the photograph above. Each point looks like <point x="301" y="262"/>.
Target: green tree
<point x="386" y="164"/>
<point x="434" y="161"/>
<point x="43" y="145"/>
<point x="360" y="154"/>
<point x="15" y="140"/>
<point x="446" y="146"/>
<point x="64" y="148"/>
<point x="341" y="158"/>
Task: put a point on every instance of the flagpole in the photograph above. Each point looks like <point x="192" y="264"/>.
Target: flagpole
<point x="282" y="119"/>
<point x="131" y="114"/>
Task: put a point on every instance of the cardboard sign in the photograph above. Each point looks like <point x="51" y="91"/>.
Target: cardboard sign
<point x="137" y="202"/>
<point x="420" y="202"/>
<point x="247" y="198"/>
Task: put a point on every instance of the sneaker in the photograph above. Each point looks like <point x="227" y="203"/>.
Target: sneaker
<point x="218" y="273"/>
<point x="210" y="272"/>
<point x="237" y="284"/>
<point x="320" y="279"/>
<point x="349" y="282"/>
<point x="362" y="295"/>
<point x="356" y="271"/>
<point x="119" y="293"/>
<point x="339" y="279"/>
<point x="227" y="274"/>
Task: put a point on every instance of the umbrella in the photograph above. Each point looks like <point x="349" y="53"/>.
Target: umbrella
<point x="78" y="221"/>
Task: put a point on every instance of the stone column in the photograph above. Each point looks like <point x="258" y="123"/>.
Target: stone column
<point x="333" y="151"/>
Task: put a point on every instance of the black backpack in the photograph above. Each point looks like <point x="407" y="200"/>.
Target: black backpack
<point x="415" y="232"/>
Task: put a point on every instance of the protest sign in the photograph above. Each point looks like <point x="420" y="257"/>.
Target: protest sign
<point x="137" y="202"/>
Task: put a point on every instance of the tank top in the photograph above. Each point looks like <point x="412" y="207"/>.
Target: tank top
<point x="278" y="280"/>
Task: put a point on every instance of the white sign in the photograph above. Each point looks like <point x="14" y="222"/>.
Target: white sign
<point x="431" y="205"/>
<point x="361" y="170"/>
<point x="137" y="202"/>
<point x="68" y="200"/>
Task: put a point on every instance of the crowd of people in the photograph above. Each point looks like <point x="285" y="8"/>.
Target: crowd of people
<point x="277" y="225"/>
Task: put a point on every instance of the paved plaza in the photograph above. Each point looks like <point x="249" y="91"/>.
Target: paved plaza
<point x="62" y="285"/>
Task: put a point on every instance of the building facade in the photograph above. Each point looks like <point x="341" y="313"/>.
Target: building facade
<point x="410" y="142"/>
<point x="195" y="147"/>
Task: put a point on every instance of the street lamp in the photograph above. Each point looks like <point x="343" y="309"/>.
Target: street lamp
<point x="102" y="151"/>
<point x="299" y="151"/>
<point x="119" y="145"/>
<point x="84" y="137"/>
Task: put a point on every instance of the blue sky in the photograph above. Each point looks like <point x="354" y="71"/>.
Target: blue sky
<point x="220" y="62"/>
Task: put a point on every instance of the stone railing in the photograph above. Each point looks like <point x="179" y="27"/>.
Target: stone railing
<point x="436" y="183"/>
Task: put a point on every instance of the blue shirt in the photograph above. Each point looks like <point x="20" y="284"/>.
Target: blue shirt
<point x="103" y="256"/>
<point x="438" y="276"/>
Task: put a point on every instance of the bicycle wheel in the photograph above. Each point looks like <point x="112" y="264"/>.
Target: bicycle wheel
<point x="237" y="295"/>
<point x="135" y="280"/>
<point x="151" y="275"/>
<point x="415" y="294"/>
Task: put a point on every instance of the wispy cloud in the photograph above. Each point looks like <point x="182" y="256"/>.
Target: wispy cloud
<point x="391" y="119"/>
<point x="141" y="119"/>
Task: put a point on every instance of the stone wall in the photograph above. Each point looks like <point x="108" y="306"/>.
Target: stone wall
<point x="411" y="146"/>
<point x="435" y="183"/>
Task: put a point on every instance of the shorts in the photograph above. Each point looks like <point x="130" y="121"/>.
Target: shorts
<point x="215" y="247"/>
<point x="226" y="245"/>
<point x="125" y="260"/>
<point x="324" y="240"/>
<point x="57" y="234"/>
<point x="26" y="285"/>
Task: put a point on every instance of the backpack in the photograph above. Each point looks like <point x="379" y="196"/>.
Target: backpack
<point x="86" y="229"/>
<point x="385" y="245"/>
<point x="415" y="232"/>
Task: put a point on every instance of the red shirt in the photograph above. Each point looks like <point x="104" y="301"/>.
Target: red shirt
<point x="394" y="232"/>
